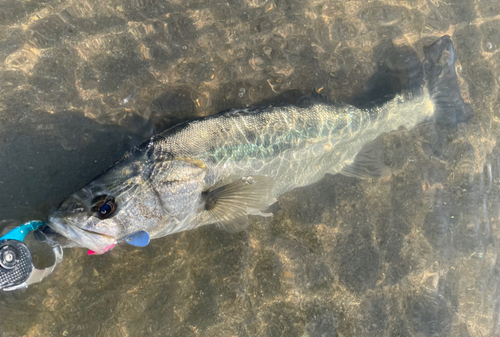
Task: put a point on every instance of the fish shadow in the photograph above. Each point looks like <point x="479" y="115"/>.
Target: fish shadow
<point x="399" y="69"/>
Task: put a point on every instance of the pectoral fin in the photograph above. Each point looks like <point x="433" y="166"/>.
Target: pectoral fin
<point x="228" y="206"/>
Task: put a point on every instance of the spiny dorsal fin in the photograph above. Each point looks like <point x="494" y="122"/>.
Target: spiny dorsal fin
<point x="229" y="205"/>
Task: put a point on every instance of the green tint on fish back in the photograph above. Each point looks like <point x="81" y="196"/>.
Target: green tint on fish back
<point x="294" y="145"/>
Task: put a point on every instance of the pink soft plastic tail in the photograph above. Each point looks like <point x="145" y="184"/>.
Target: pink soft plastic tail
<point x="108" y="248"/>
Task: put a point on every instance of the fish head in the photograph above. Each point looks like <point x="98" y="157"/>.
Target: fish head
<point x="137" y="193"/>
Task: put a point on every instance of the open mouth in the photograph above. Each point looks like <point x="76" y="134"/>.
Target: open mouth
<point x="95" y="233"/>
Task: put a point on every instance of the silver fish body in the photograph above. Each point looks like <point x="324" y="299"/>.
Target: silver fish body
<point x="293" y="145"/>
<point x="222" y="168"/>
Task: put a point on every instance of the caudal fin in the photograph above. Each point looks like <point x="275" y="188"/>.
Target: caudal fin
<point x="442" y="83"/>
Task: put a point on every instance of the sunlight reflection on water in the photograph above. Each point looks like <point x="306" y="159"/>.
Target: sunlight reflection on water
<point x="411" y="255"/>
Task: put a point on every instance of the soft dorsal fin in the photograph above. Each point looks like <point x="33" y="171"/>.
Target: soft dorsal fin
<point x="228" y="206"/>
<point x="315" y="97"/>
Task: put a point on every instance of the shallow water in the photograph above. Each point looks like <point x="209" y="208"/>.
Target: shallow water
<point x="414" y="254"/>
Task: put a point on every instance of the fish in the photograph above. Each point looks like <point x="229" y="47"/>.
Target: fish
<point x="218" y="170"/>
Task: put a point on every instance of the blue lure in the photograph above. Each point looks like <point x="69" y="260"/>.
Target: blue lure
<point x="138" y="239"/>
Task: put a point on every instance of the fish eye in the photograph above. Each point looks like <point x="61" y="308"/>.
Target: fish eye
<point x="104" y="207"/>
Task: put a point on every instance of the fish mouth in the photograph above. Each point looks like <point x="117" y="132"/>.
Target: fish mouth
<point x="81" y="237"/>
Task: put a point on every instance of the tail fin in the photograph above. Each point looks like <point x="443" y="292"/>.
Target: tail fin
<point x="442" y="83"/>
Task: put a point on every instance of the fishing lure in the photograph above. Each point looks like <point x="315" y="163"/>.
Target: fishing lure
<point x="16" y="266"/>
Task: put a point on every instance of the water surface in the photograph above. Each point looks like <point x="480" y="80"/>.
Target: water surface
<point x="413" y="254"/>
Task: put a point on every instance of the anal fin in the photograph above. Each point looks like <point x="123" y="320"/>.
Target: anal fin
<point x="368" y="163"/>
<point x="228" y="206"/>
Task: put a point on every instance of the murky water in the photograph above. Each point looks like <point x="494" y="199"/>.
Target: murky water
<point x="414" y="254"/>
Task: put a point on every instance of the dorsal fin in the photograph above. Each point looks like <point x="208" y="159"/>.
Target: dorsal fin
<point x="313" y="98"/>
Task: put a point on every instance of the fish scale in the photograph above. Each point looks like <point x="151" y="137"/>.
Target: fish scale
<point x="222" y="168"/>
<point x="310" y="135"/>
